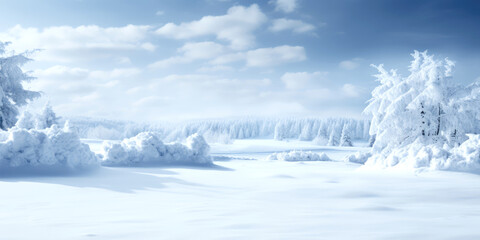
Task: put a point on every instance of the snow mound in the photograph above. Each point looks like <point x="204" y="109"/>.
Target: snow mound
<point x="465" y="157"/>
<point x="358" y="157"/>
<point x="298" y="156"/>
<point x="147" y="149"/>
<point x="51" y="150"/>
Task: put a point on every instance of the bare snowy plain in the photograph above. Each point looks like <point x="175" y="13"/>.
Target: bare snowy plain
<point x="244" y="196"/>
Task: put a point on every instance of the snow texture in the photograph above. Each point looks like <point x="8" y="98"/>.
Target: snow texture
<point x="147" y="149"/>
<point x="52" y="150"/>
<point x="298" y="156"/>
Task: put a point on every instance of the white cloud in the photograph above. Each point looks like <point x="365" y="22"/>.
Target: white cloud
<point x="351" y="90"/>
<point x="148" y="46"/>
<point x="236" y="26"/>
<point x="65" y="43"/>
<point x="159" y="13"/>
<point x="350" y="64"/>
<point x="202" y="50"/>
<point x="301" y="80"/>
<point x="123" y="60"/>
<point x="61" y="72"/>
<point x="286" y="6"/>
<point x="229" y="58"/>
<point x="296" y="26"/>
<point x="215" y="68"/>
<point x="150" y="100"/>
<point x="263" y="57"/>
<point x="77" y="81"/>
<point x="220" y="55"/>
<point x="190" y="52"/>
<point x="115" y="73"/>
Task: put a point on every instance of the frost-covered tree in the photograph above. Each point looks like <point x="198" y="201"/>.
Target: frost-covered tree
<point x="332" y="139"/>
<point x="345" y="140"/>
<point x="306" y="133"/>
<point x="49" y="116"/>
<point x="419" y="120"/>
<point x="12" y="93"/>
<point x="46" y="118"/>
<point x="335" y="133"/>
<point x="42" y="120"/>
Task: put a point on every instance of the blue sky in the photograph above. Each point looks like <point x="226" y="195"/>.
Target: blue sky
<point x="151" y="60"/>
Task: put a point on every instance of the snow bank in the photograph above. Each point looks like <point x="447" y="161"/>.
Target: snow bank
<point x="465" y="157"/>
<point x="51" y="150"/>
<point x="297" y="156"/>
<point x="147" y="149"/>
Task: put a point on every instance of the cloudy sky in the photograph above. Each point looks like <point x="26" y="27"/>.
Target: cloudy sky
<point x="152" y="60"/>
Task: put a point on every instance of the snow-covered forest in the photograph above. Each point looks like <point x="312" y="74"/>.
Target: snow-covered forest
<point x="330" y="131"/>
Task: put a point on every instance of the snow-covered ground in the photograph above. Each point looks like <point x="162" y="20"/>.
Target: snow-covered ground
<point x="243" y="199"/>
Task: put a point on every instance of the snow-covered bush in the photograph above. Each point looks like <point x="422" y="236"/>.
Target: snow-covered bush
<point x="418" y="121"/>
<point x="465" y="157"/>
<point x="12" y="93"/>
<point x="45" y="119"/>
<point x="358" y="157"/>
<point x="297" y="156"/>
<point x="147" y="149"/>
<point x="51" y="150"/>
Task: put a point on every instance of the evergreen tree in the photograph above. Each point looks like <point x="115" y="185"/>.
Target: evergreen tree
<point x="345" y="140"/>
<point x="47" y="118"/>
<point x="12" y="93"/>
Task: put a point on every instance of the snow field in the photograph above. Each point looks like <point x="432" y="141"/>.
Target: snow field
<point x="244" y="199"/>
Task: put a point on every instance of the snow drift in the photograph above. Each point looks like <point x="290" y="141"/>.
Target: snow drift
<point x="298" y="156"/>
<point x="51" y="150"/>
<point x="465" y="157"/>
<point x="147" y="149"/>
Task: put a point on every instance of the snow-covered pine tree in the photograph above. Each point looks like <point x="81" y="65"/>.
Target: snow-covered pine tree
<point x="306" y="133"/>
<point x="12" y="93"/>
<point x="47" y="118"/>
<point x="345" y="140"/>
<point x="334" y="138"/>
